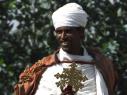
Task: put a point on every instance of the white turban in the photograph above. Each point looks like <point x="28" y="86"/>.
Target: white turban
<point x="70" y="14"/>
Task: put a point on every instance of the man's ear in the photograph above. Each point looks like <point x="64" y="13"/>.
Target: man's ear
<point x="54" y="33"/>
<point x="82" y="35"/>
<point x="81" y="32"/>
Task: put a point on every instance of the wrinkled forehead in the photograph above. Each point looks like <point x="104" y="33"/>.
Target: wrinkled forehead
<point x="70" y="28"/>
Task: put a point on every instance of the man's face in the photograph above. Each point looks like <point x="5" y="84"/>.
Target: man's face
<point x="70" y="38"/>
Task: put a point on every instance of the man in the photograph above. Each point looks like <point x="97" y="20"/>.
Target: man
<point x="73" y="69"/>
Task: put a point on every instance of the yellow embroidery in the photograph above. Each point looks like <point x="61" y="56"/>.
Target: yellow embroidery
<point x="29" y="72"/>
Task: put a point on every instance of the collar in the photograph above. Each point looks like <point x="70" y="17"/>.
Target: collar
<point x="64" y="57"/>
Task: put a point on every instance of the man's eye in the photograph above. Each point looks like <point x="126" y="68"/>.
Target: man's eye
<point x="58" y="31"/>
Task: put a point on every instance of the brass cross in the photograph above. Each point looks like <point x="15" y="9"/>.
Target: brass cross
<point x="72" y="77"/>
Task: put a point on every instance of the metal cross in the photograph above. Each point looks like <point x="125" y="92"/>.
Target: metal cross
<point x="72" y="77"/>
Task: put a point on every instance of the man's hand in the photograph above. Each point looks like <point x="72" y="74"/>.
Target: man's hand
<point x="68" y="91"/>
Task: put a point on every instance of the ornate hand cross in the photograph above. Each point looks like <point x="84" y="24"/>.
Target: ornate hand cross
<point x="70" y="77"/>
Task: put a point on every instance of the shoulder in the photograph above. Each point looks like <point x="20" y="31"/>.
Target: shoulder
<point x="28" y="79"/>
<point x="105" y="63"/>
<point x="95" y="52"/>
<point x="38" y="66"/>
<point x="100" y="58"/>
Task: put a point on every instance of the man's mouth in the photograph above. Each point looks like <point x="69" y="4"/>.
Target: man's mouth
<point x="65" y="43"/>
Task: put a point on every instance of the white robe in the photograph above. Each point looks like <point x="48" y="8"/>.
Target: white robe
<point x="95" y="84"/>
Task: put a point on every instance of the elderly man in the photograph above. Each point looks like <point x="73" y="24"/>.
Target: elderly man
<point x="72" y="69"/>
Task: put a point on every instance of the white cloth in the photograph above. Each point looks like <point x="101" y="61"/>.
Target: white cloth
<point x="70" y="14"/>
<point x="100" y="84"/>
<point x="95" y="84"/>
<point x="71" y="57"/>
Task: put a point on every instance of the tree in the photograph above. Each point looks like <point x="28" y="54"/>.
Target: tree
<point x="27" y="34"/>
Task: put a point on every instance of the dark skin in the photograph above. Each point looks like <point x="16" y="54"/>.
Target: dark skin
<point x="70" y="39"/>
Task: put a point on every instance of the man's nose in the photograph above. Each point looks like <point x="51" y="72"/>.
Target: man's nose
<point x="63" y="35"/>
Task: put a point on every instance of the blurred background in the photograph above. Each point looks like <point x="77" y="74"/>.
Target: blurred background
<point x="26" y="35"/>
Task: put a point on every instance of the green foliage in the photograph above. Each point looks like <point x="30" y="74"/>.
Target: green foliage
<point x="26" y="34"/>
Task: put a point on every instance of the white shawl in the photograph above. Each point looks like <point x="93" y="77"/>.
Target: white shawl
<point x="94" y="86"/>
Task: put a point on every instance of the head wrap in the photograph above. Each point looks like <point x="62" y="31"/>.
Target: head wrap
<point x="70" y="14"/>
